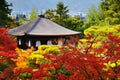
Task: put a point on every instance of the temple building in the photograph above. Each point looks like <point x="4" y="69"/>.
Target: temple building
<point x="40" y="31"/>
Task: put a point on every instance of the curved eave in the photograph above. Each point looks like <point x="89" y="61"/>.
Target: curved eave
<point x="11" y="32"/>
<point x="46" y="34"/>
<point x="17" y="34"/>
<point x="77" y="33"/>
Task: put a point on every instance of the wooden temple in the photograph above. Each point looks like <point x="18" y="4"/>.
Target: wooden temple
<point x="40" y="31"/>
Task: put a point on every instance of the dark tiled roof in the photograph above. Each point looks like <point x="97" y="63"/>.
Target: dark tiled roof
<point x="41" y="27"/>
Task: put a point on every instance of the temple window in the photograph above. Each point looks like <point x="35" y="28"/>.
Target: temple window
<point x="19" y="42"/>
<point x="29" y="43"/>
<point x="49" y="42"/>
<point x="61" y="41"/>
<point x="38" y="43"/>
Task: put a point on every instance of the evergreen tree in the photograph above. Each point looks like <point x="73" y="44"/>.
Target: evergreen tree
<point x="62" y="10"/>
<point x="61" y="14"/>
<point x="4" y="12"/>
<point x="58" y="15"/>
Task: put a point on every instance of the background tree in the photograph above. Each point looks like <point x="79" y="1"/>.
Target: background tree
<point x="58" y="15"/>
<point x="112" y="11"/>
<point x="49" y="14"/>
<point x="4" y="12"/>
<point x="61" y="14"/>
<point x="62" y="10"/>
<point x="33" y="14"/>
<point x="76" y="24"/>
<point x="95" y="16"/>
<point x="22" y="19"/>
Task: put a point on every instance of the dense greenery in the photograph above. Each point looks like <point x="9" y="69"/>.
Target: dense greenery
<point x="33" y="14"/>
<point x="108" y="13"/>
<point x="4" y="12"/>
<point x="61" y="16"/>
<point x="111" y="10"/>
<point x="58" y="15"/>
<point x="95" y="16"/>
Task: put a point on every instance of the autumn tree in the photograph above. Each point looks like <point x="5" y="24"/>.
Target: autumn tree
<point x="70" y="63"/>
<point x="7" y="51"/>
<point x="4" y="12"/>
<point x="112" y="11"/>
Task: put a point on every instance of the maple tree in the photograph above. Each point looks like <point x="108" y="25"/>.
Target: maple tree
<point x="95" y="60"/>
<point x="7" y="51"/>
<point x="88" y="63"/>
<point x="7" y="43"/>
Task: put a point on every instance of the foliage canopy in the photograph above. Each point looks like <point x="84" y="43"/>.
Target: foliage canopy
<point x="112" y="11"/>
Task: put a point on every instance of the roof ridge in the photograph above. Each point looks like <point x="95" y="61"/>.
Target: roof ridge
<point x="33" y="26"/>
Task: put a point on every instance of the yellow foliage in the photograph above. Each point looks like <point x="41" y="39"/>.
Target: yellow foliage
<point x="101" y="31"/>
<point x="49" y="49"/>
<point x="21" y="59"/>
<point x="20" y="63"/>
<point x="97" y="44"/>
<point x="109" y="65"/>
<point x="118" y="62"/>
<point x="33" y="59"/>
